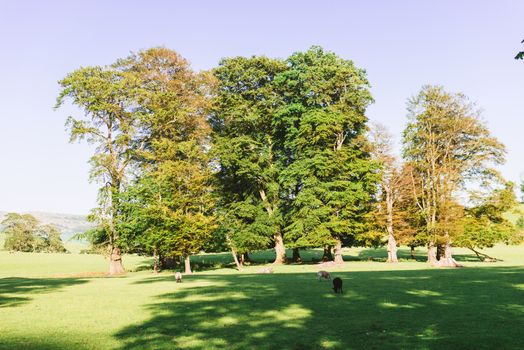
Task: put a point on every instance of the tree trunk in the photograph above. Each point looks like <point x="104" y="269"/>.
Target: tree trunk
<point x="235" y="258"/>
<point x="155" y="261"/>
<point x="115" y="262"/>
<point x="338" y="252"/>
<point x="392" y="249"/>
<point x="187" y="265"/>
<point x="412" y="252"/>
<point x="448" y="260"/>
<point x="327" y="254"/>
<point x="432" y="255"/>
<point x="280" y="249"/>
<point x="440" y="250"/>
<point x="392" y="243"/>
<point x="296" y="255"/>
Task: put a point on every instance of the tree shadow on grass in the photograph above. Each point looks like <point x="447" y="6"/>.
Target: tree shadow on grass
<point x="471" y="308"/>
<point x="15" y="291"/>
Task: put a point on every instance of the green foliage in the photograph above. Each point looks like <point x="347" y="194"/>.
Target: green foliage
<point x="243" y="140"/>
<point x="24" y="234"/>
<point x="486" y="225"/>
<point x="328" y="175"/>
<point x="289" y="140"/>
<point x="107" y="95"/>
<point x="167" y="208"/>
<point x="448" y="148"/>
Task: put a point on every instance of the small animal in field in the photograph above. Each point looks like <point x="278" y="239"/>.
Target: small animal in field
<point x="178" y="277"/>
<point x="337" y="285"/>
<point x="265" y="270"/>
<point x="323" y="274"/>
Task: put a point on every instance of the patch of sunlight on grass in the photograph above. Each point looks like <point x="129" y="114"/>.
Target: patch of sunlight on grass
<point x="424" y="293"/>
<point x="292" y="316"/>
<point x="220" y="322"/>
<point x="519" y="286"/>
<point x="329" y="344"/>
<point x="391" y="305"/>
<point x="191" y="342"/>
<point x="514" y="308"/>
<point x="196" y="297"/>
<point x="429" y="333"/>
<point x="292" y="312"/>
<point x="402" y="278"/>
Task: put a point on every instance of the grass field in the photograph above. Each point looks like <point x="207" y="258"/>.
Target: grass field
<point x="59" y="301"/>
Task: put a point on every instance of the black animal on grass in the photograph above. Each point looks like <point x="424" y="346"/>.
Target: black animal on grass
<point x="337" y="285"/>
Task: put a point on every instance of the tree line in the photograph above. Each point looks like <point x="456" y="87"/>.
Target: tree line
<point x="262" y="152"/>
<point x="24" y="233"/>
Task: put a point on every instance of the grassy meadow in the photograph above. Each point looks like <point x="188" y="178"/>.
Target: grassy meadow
<point x="64" y="301"/>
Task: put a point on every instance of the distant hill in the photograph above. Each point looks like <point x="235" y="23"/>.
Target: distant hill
<point x="68" y="224"/>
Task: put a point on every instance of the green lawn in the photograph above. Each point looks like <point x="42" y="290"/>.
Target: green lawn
<point x="50" y="301"/>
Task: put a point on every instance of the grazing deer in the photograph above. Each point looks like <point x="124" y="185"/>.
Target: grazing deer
<point x="337" y="285"/>
<point x="178" y="277"/>
<point x="323" y="274"/>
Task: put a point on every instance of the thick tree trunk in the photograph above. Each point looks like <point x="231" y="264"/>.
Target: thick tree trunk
<point x="280" y="249"/>
<point x="327" y="254"/>
<point x="440" y="250"/>
<point x="115" y="262"/>
<point x="447" y="260"/>
<point x="412" y="252"/>
<point x="296" y="255"/>
<point x="432" y="255"/>
<point x="392" y="249"/>
<point x="187" y="265"/>
<point x="338" y="252"/>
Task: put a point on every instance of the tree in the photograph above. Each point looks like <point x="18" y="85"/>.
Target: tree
<point x="248" y="168"/>
<point x="24" y="234"/>
<point x="107" y="96"/>
<point x="328" y="176"/>
<point x="19" y="230"/>
<point x="169" y="207"/>
<point x="485" y="223"/>
<point x="50" y="238"/>
<point x="447" y="147"/>
<point x="392" y="185"/>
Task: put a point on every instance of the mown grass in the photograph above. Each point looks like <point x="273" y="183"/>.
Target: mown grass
<point x="48" y="301"/>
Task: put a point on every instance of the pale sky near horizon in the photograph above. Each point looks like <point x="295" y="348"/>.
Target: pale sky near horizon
<point x="466" y="46"/>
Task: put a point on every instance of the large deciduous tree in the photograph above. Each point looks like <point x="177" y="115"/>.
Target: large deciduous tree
<point x="248" y="168"/>
<point x="169" y="207"/>
<point x="328" y="176"/>
<point x="447" y="146"/>
<point x="107" y="97"/>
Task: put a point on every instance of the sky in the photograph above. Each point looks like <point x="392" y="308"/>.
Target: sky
<point x="465" y="46"/>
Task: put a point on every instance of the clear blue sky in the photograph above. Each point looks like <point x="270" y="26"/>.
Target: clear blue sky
<point x="466" y="46"/>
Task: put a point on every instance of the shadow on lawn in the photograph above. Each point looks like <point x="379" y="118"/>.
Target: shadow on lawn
<point x="470" y="308"/>
<point x="15" y="291"/>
